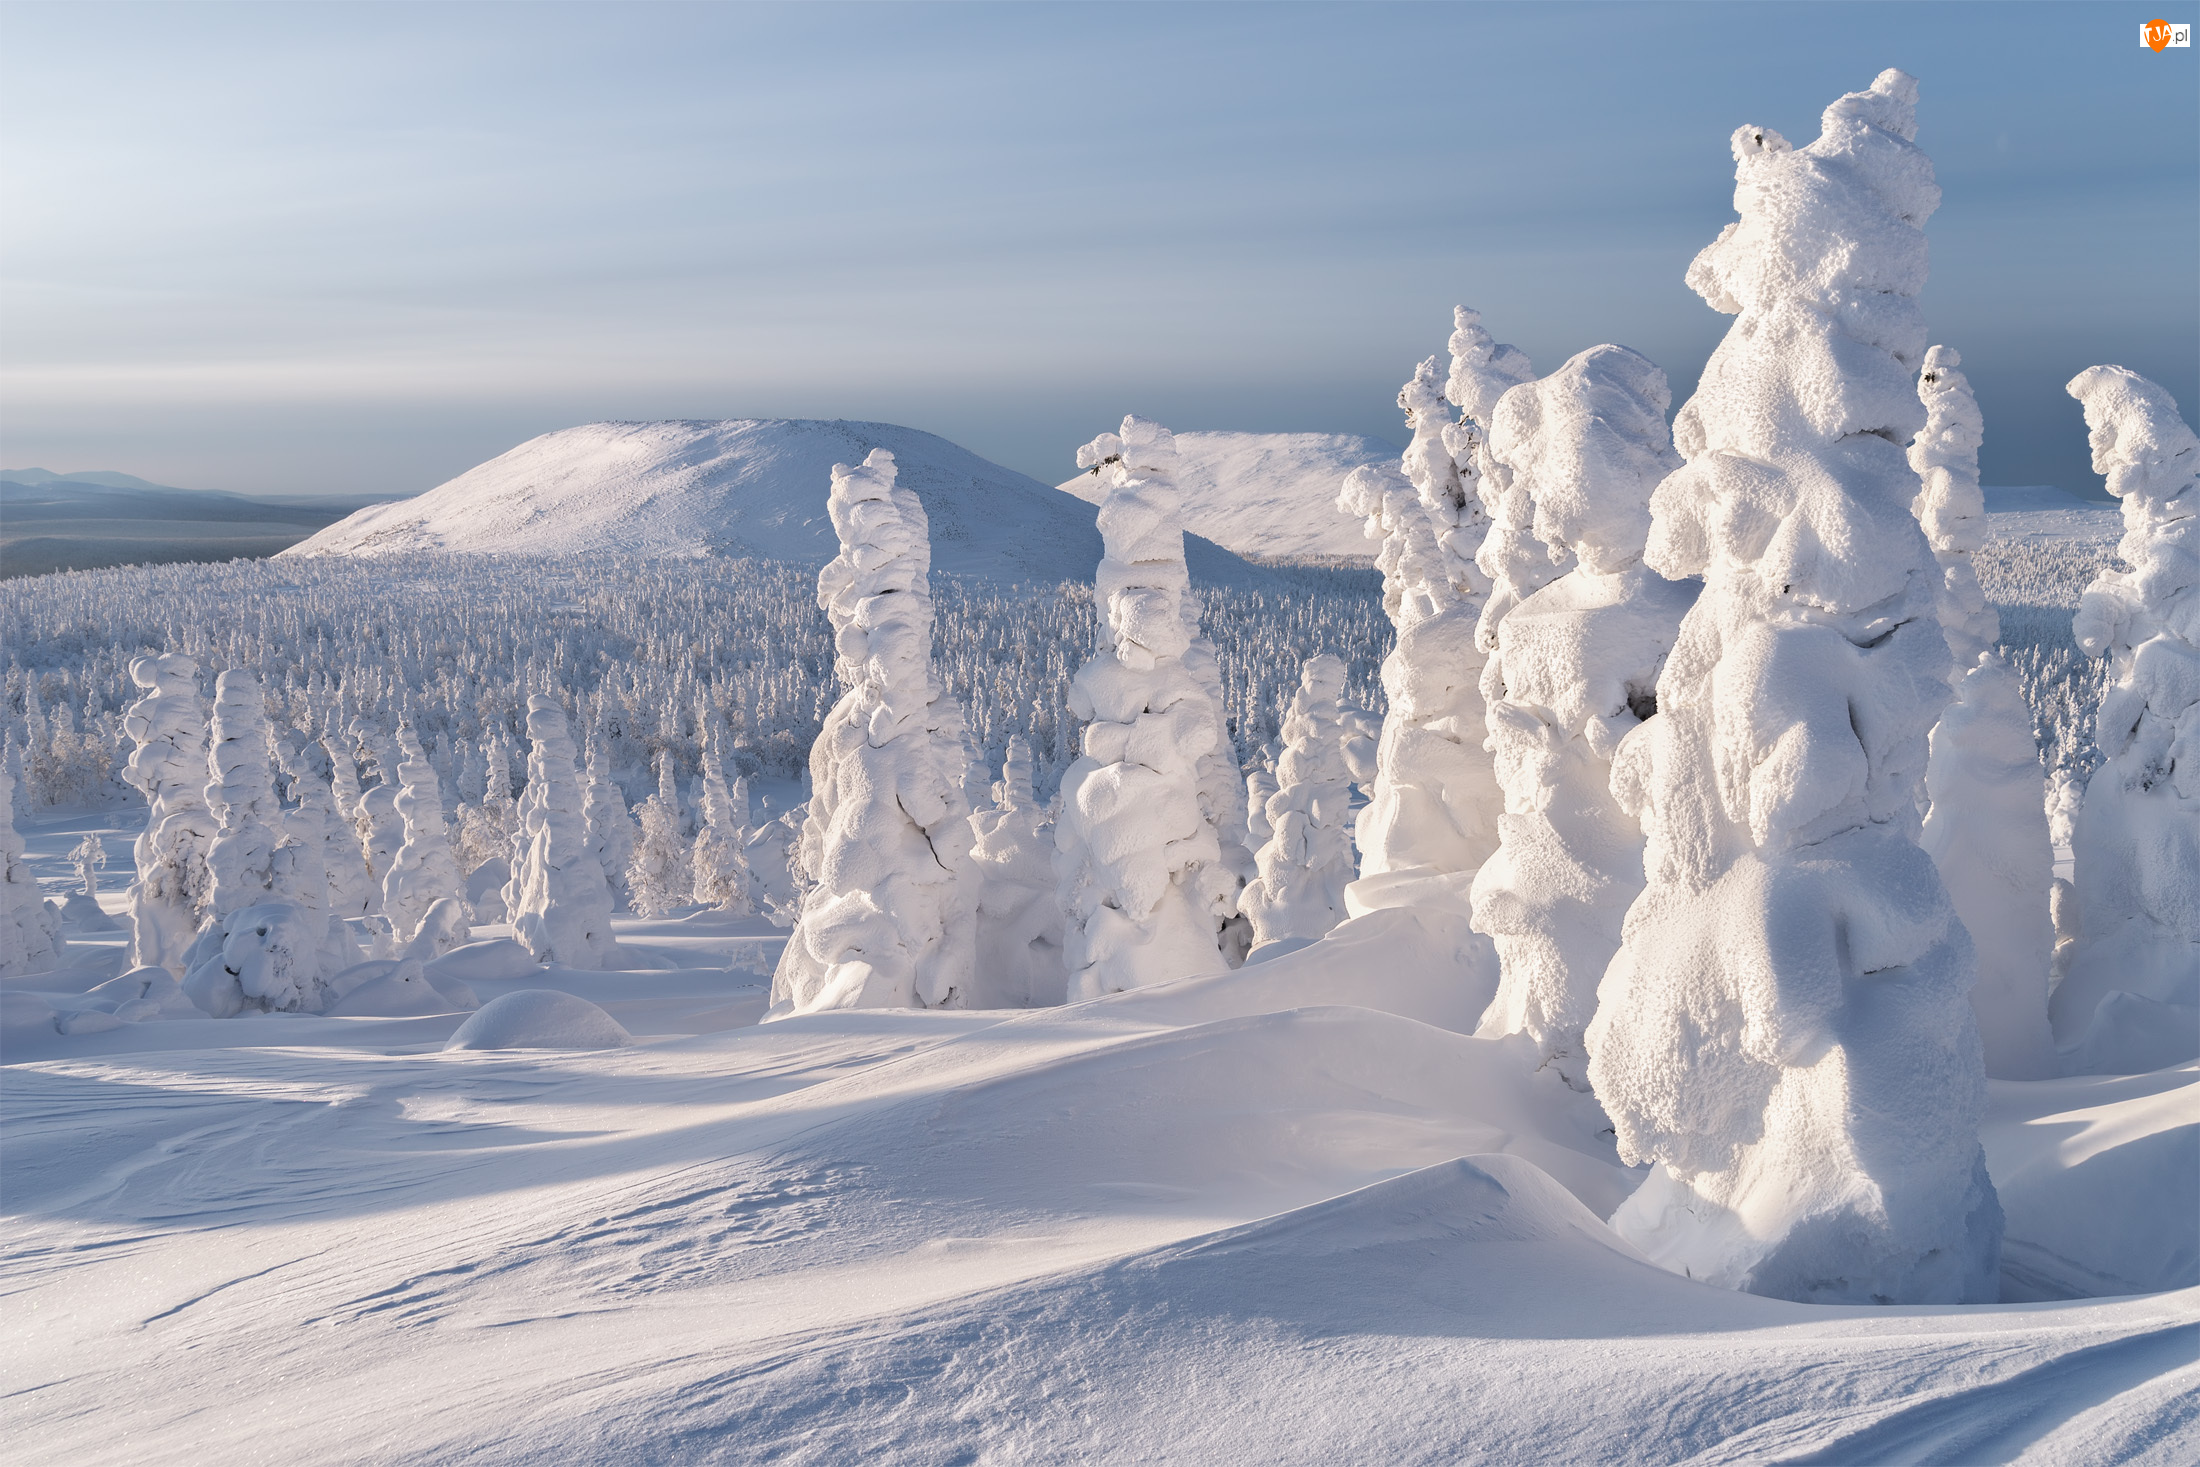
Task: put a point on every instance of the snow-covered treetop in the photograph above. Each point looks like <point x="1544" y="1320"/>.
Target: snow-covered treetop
<point x="1950" y="506"/>
<point x="1483" y="369"/>
<point x="877" y="593"/>
<point x="1141" y="579"/>
<point x="2151" y="460"/>
<point x="1589" y="444"/>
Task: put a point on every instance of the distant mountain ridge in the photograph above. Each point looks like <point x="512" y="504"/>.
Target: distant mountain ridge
<point x="53" y="522"/>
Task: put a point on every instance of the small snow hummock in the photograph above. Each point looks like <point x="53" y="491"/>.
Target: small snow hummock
<point x="890" y="919"/>
<point x="1576" y="670"/>
<point x="1786" y="1032"/>
<point x="2131" y="998"/>
<point x="173" y="888"/>
<point x="538" y="1018"/>
<point x="1145" y="892"/>
<point x="30" y="931"/>
<point x="1306" y="862"/>
<point x="423" y="872"/>
<point x="1986" y="820"/>
<point x="562" y="906"/>
<point x="1019" y="923"/>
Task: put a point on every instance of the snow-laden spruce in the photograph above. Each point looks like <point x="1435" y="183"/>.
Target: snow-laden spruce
<point x="1985" y="822"/>
<point x="1579" y="659"/>
<point x="890" y="919"/>
<point x="561" y="903"/>
<point x="30" y="931"/>
<point x="659" y="874"/>
<point x="1145" y="891"/>
<point x="1432" y="817"/>
<point x="1019" y="921"/>
<point x="1306" y="862"/>
<point x="318" y="817"/>
<point x="2131" y="998"/>
<point x="722" y="822"/>
<point x="253" y="858"/>
<point x="170" y="896"/>
<point x="423" y="872"/>
<point x="1786" y="1032"/>
<point x="1513" y="558"/>
<point x="610" y="827"/>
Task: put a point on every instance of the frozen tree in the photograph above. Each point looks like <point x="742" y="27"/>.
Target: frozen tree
<point x="1985" y="823"/>
<point x="1431" y="819"/>
<point x="30" y="931"/>
<point x="771" y="850"/>
<point x="1260" y="783"/>
<point x="1019" y="921"/>
<point x="253" y="857"/>
<point x="562" y="904"/>
<point x="1578" y="663"/>
<point x="1145" y="893"/>
<point x="1786" y="1031"/>
<point x="2131" y="997"/>
<point x="88" y="859"/>
<point x="658" y="875"/>
<point x="423" y="872"/>
<point x="1306" y="861"/>
<point x="171" y="893"/>
<point x="1515" y="561"/>
<point x="350" y="894"/>
<point x="890" y="919"/>
<point x="610" y="828"/>
<point x="722" y="823"/>
<point x="1221" y="793"/>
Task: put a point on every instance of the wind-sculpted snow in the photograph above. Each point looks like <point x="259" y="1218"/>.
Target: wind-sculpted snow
<point x="1794" y="950"/>
<point x="2131" y="999"/>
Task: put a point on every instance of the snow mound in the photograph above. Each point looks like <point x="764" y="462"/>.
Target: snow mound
<point x="539" y="1018"/>
<point x="739" y="487"/>
<point x="1267" y="494"/>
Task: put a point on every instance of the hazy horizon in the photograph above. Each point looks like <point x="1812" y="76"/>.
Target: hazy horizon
<point x="359" y="249"/>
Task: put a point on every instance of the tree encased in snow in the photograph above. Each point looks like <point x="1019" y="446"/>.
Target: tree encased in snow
<point x="1306" y="862"/>
<point x="1019" y="920"/>
<point x="1145" y="891"/>
<point x="722" y="878"/>
<point x="562" y="904"/>
<point x="1985" y="822"/>
<point x="169" y="897"/>
<point x="1576" y="666"/>
<point x="254" y="858"/>
<point x="610" y="827"/>
<point x="30" y="931"/>
<point x="423" y="871"/>
<point x="890" y="919"/>
<point x="2131" y="998"/>
<point x="659" y="876"/>
<point x="1786" y="1032"/>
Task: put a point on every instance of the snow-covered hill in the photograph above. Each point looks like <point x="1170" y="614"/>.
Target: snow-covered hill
<point x="1268" y="494"/>
<point x="743" y="486"/>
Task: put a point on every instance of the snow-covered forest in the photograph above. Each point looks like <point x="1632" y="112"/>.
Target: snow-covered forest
<point x="1723" y="874"/>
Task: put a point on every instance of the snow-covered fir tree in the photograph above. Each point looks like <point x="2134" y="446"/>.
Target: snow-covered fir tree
<point x="561" y="903"/>
<point x="30" y="931"/>
<point x="610" y="827"/>
<point x="1306" y="861"/>
<point x="1985" y="822"/>
<point x="171" y="893"/>
<point x="2131" y="998"/>
<point x="890" y="919"/>
<point x="1019" y="920"/>
<point x="423" y="871"/>
<point x="722" y="824"/>
<point x="252" y="856"/>
<point x="1577" y="667"/>
<point x="1786" y="1033"/>
<point x="1145" y="893"/>
<point x="659" y="876"/>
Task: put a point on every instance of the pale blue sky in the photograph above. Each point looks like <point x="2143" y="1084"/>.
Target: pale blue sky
<point x="319" y="247"/>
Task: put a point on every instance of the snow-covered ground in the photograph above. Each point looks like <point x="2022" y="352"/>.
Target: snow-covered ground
<point x="1268" y="495"/>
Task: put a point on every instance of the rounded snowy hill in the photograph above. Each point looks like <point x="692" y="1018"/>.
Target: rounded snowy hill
<point x="739" y="487"/>
<point x="1269" y="494"/>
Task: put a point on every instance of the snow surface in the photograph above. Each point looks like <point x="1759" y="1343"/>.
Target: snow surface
<point x="1267" y="494"/>
<point x="740" y="487"/>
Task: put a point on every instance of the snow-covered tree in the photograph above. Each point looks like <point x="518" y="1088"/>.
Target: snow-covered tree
<point x="658" y="874"/>
<point x="610" y="827"/>
<point x="252" y="858"/>
<point x="88" y="859"/>
<point x="1306" y="862"/>
<point x="423" y="872"/>
<point x="1260" y="783"/>
<point x="1431" y="820"/>
<point x="722" y="824"/>
<point x="1019" y="921"/>
<point x="1786" y="1032"/>
<point x="170" y="895"/>
<point x="772" y="851"/>
<point x="562" y="904"/>
<point x="30" y="931"/>
<point x="890" y="919"/>
<point x="1578" y="662"/>
<point x="1985" y="822"/>
<point x="2131" y="997"/>
<point x="1144" y="889"/>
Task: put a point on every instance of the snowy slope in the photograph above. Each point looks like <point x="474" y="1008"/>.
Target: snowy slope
<point x="741" y="487"/>
<point x="1268" y="494"/>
